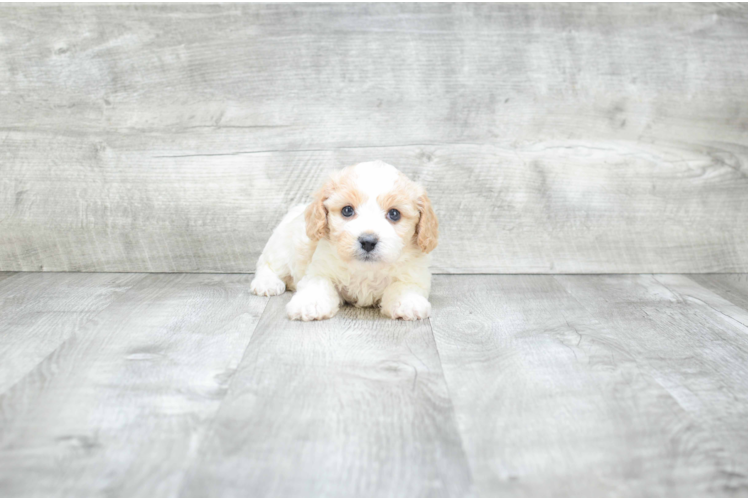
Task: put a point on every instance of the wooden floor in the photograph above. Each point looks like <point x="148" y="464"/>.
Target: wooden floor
<point x="539" y="385"/>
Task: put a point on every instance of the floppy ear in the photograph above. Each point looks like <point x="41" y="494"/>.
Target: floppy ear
<point x="316" y="213"/>
<point x="427" y="230"/>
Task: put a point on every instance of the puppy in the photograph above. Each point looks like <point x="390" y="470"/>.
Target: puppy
<point x="364" y="239"/>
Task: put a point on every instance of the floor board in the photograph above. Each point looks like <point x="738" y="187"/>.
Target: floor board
<point x="557" y="399"/>
<point x="519" y="385"/>
<point x="354" y="406"/>
<point x="733" y="287"/>
<point x="731" y="305"/>
<point x="38" y="312"/>
<point x="119" y="408"/>
<point x="696" y="352"/>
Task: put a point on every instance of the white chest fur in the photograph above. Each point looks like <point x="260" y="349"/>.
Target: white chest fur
<point x="364" y="289"/>
<point x="363" y="284"/>
<point x="359" y="284"/>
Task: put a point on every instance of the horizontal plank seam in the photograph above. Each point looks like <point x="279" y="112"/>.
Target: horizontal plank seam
<point x="334" y="148"/>
<point x="249" y="273"/>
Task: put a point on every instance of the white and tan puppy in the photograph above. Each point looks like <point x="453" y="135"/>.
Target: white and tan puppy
<point x="364" y="239"/>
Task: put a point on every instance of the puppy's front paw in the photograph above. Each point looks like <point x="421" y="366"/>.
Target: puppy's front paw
<point x="267" y="285"/>
<point x="308" y="307"/>
<point x="410" y="307"/>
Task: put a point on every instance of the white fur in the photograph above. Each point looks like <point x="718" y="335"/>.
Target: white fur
<point x="399" y="281"/>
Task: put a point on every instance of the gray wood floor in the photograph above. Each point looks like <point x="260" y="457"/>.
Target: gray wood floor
<point x="538" y="385"/>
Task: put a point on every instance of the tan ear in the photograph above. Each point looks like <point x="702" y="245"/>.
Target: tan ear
<point x="316" y="213"/>
<point x="427" y="230"/>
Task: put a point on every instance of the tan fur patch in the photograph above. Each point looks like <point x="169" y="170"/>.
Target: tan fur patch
<point x="343" y="196"/>
<point x="344" y="193"/>
<point x="345" y="243"/>
<point x="428" y="225"/>
<point x="400" y="198"/>
<point x="315" y="214"/>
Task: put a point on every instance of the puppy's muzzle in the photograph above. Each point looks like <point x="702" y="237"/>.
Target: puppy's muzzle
<point x="368" y="242"/>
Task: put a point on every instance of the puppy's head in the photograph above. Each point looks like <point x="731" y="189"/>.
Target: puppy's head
<point x="372" y="213"/>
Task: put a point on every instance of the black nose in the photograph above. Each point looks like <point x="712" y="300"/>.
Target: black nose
<point x="368" y="242"/>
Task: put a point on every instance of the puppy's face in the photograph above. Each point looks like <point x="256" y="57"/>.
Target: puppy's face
<point x="372" y="214"/>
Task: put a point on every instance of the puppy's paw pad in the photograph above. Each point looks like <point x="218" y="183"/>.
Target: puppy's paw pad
<point x="267" y="285"/>
<point x="310" y="308"/>
<point x="410" y="308"/>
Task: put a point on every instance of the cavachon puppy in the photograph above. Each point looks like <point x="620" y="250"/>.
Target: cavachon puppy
<point x="364" y="239"/>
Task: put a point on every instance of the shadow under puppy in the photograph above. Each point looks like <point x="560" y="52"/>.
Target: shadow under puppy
<point x="364" y="239"/>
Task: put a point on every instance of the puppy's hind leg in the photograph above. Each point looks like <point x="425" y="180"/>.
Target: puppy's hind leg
<point x="276" y="264"/>
<point x="266" y="282"/>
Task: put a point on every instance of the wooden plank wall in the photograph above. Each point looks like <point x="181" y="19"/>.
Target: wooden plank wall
<point x="552" y="138"/>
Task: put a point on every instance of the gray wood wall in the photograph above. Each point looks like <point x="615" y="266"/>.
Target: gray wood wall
<point x="552" y="138"/>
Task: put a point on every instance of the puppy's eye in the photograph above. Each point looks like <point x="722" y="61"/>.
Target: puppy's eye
<point x="347" y="211"/>
<point x="393" y="215"/>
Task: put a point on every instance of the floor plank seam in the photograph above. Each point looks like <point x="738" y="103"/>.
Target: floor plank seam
<point x="72" y="337"/>
<point x="653" y="372"/>
<point x="721" y="313"/>
<point x="460" y="432"/>
<point x="650" y="370"/>
<point x="214" y="417"/>
<point x="547" y="385"/>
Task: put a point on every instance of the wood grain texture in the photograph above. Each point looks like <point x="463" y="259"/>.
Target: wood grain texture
<point x="732" y="287"/>
<point x="172" y="385"/>
<point x="690" y="289"/>
<point x="554" y="398"/>
<point x="694" y="350"/>
<point x="120" y="407"/>
<point x="39" y="311"/>
<point x="353" y="406"/>
<point x="552" y="138"/>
